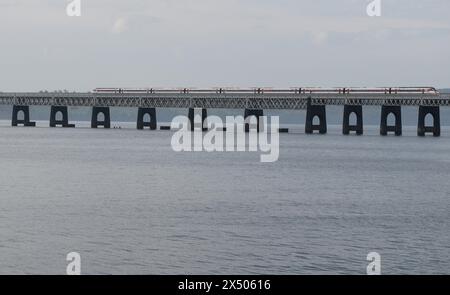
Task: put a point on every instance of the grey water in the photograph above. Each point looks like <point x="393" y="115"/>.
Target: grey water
<point x="129" y="204"/>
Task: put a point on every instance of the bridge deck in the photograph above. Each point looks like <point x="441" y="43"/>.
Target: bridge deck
<point x="235" y="100"/>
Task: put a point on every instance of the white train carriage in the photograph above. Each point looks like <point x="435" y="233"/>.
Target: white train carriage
<point x="300" y="90"/>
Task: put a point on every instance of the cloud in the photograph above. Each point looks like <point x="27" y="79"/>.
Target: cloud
<point x="320" y="37"/>
<point x="120" y="25"/>
<point x="233" y="42"/>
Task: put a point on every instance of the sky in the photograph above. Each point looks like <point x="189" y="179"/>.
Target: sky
<point x="223" y="43"/>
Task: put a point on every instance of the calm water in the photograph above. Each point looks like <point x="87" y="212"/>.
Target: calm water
<point x="130" y="205"/>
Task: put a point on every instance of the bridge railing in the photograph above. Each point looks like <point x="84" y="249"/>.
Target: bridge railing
<point x="248" y="100"/>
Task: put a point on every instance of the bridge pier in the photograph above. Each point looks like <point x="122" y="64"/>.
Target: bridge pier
<point x="422" y="129"/>
<point x="140" y="118"/>
<point x="26" y="116"/>
<point x="191" y="117"/>
<point x="385" y="112"/>
<point x="106" y="123"/>
<point x="346" y="127"/>
<point x="257" y="114"/>
<point x="64" y="122"/>
<point x="313" y="111"/>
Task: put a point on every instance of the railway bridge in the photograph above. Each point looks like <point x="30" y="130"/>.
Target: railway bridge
<point x="252" y="101"/>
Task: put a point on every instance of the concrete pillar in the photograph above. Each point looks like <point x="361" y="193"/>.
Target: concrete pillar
<point x="257" y="114"/>
<point x="191" y="116"/>
<point x="94" y="121"/>
<point x="64" y="122"/>
<point x="422" y="129"/>
<point x="346" y="127"/>
<point x="313" y="111"/>
<point x="26" y="116"/>
<point x="140" y="118"/>
<point x="385" y="112"/>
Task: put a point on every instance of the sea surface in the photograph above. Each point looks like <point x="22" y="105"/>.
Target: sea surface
<point x="129" y="204"/>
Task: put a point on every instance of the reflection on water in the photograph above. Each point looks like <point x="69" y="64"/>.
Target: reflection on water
<point x="130" y="205"/>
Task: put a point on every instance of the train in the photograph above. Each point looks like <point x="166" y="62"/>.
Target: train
<point x="296" y="90"/>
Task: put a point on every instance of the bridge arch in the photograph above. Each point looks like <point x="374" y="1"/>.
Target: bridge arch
<point x="316" y="120"/>
<point x="429" y="121"/>
<point x="21" y="115"/>
<point x="146" y="118"/>
<point x="353" y="119"/>
<point x="100" y="117"/>
<point x="313" y="111"/>
<point x="391" y="120"/>
<point x="59" y="117"/>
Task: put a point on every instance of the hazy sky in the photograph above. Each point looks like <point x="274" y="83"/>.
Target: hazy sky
<point x="208" y="43"/>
